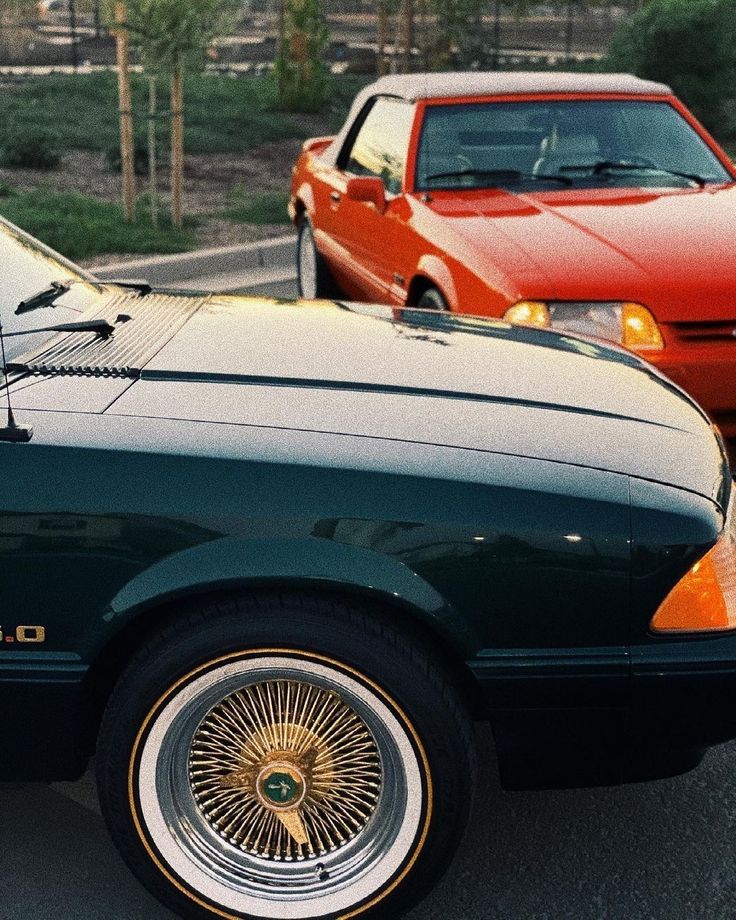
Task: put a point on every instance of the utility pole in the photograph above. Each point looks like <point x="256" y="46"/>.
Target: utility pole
<point x="281" y="46"/>
<point x="497" y="35"/>
<point x="568" y="30"/>
<point x="408" y="36"/>
<point x="382" y="37"/>
<point x="73" y="27"/>
<point x="126" y="112"/>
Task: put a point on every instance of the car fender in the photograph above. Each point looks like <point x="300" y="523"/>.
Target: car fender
<point x="303" y="194"/>
<point x="232" y="563"/>
<point x="436" y="271"/>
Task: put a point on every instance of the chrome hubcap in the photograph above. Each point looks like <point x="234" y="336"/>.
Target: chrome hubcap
<point x="285" y="770"/>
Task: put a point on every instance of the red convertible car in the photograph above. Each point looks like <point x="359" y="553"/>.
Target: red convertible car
<point x="589" y="203"/>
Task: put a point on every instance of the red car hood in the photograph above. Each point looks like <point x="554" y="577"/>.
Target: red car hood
<point x="673" y="250"/>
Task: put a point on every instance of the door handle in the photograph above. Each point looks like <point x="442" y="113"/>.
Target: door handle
<point x="335" y="196"/>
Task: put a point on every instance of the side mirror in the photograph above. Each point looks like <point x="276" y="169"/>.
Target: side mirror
<point x="367" y="188"/>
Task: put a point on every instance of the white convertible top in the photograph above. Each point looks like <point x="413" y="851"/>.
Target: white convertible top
<point x="447" y="85"/>
<point x="453" y="85"/>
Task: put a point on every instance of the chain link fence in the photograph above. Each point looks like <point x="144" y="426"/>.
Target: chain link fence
<point x="68" y="34"/>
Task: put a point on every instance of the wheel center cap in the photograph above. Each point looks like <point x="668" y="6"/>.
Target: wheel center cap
<point x="281" y="786"/>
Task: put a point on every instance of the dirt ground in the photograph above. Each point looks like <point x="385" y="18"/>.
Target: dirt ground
<point x="209" y="182"/>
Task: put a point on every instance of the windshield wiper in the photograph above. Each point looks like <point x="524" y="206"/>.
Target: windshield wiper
<point x="98" y="326"/>
<point x="628" y="165"/>
<point x="500" y="175"/>
<point x="44" y="298"/>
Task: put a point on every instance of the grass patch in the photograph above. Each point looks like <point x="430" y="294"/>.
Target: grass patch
<point x="264" y="208"/>
<point x="81" y="227"/>
<point x="222" y="115"/>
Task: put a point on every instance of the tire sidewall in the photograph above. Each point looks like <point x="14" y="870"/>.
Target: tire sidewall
<point x="433" y="299"/>
<point x="290" y="625"/>
<point x="305" y="237"/>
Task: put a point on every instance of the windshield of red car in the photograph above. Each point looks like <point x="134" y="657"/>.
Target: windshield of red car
<point x="591" y="142"/>
<point x="26" y="269"/>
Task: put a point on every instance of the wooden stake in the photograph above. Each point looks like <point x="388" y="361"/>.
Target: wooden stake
<point x="126" y="114"/>
<point x="152" y="178"/>
<point x="177" y="146"/>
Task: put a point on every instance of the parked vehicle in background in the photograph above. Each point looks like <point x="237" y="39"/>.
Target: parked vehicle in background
<point x="587" y="203"/>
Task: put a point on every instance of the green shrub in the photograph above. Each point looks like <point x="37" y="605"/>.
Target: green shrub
<point x="689" y="44"/>
<point x="30" y="149"/>
<point x="140" y="158"/>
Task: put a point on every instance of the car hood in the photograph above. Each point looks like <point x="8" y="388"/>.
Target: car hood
<point x="373" y="372"/>
<point x="671" y="249"/>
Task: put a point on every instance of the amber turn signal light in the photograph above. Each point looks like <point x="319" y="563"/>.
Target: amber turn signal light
<point x="639" y="328"/>
<point x="704" y="600"/>
<point x="529" y="313"/>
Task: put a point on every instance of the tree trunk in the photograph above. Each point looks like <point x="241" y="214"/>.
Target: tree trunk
<point x="152" y="170"/>
<point x="177" y="146"/>
<point x="126" y="114"/>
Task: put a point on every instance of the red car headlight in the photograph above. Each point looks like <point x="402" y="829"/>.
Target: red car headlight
<point x="629" y="324"/>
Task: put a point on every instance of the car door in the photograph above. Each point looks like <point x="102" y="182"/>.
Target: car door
<point x="378" y="148"/>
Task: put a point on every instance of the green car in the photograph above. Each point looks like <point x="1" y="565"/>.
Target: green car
<point x="270" y="560"/>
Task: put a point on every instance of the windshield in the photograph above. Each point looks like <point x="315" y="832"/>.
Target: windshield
<point x="590" y="142"/>
<point x="27" y="268"/>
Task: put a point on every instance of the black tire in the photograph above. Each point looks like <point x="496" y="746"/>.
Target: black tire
<point x="317" y="283"/>
<point x="432" y="299"/>
<point x="210" y="656"/>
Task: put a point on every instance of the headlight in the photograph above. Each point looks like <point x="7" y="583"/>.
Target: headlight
<point x="704" y="600"/>
<point x="628" y="324"/>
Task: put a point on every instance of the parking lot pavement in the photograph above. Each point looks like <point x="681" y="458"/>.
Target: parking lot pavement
<point x="657" y="850"/>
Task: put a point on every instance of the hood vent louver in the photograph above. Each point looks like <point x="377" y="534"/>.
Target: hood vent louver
<point x="143" y="325"/>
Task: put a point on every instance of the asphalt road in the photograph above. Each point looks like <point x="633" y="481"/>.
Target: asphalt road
<point x="657" y="850"/>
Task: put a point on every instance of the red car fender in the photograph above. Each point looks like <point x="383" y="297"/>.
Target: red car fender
<point x="302" y="199"/>
<point x="435" y="270"/>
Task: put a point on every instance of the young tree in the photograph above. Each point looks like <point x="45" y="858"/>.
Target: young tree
<point x="300" y="70"/>
<point x="457" y="30"/>
<point x="173" y="37"/>
<point x="689" y="44"/>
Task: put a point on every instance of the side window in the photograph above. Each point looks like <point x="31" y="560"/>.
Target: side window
<point x="381" y="144"/>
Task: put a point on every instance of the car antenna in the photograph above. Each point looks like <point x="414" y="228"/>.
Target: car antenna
<point x="12" y="431"/>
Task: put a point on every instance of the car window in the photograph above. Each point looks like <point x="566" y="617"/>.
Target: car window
<point x="459" y="142"/>
<point x="381" y="144"/>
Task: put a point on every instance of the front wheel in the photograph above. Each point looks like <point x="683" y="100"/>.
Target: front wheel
<point x="293" y="759"/>
<point x="432" y="299"/>
<point x="314" y="279"/>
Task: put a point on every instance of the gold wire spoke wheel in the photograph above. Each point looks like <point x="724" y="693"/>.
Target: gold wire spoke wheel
<point x="285" y="770"/>
<point x="280" y="785"/>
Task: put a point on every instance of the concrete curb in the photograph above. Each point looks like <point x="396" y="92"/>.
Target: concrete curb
<point x="249" y="258"/>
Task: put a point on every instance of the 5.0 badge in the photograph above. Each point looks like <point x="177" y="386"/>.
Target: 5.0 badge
<point x="24" y="634"/>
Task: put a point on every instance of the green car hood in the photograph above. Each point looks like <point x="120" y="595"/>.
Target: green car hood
<point x="404" y="375"/>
